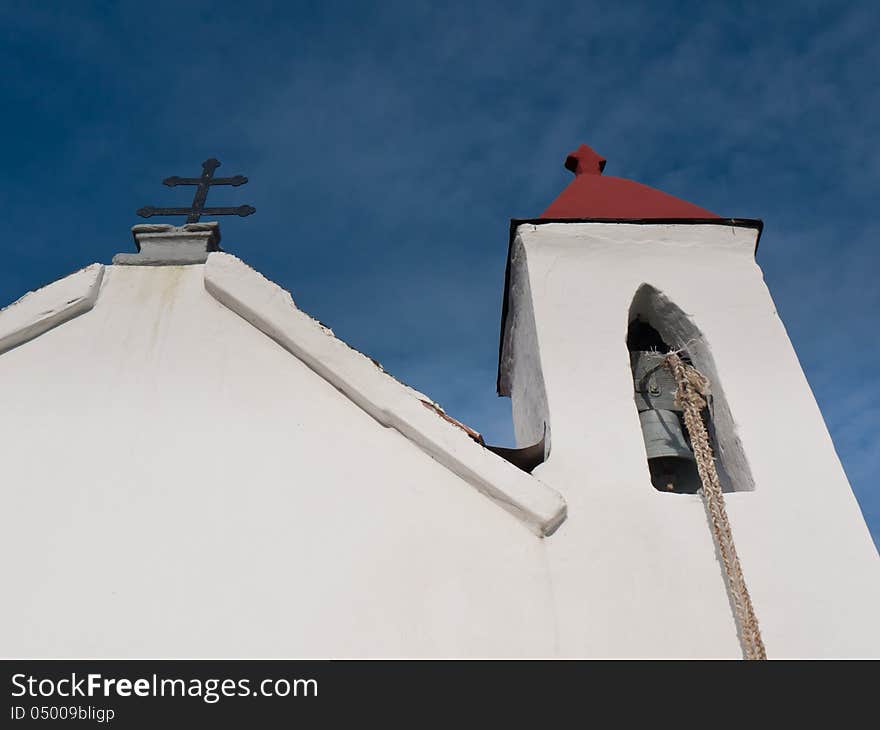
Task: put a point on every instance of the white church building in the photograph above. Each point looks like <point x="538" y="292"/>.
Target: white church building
<point x="194" y="467"/>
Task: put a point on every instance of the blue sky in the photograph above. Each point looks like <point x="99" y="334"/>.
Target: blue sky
<point x="389" y="145"/>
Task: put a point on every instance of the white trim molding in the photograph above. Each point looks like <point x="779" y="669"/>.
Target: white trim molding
<point x="41" y="310"/>
<point x="271" y="309"/>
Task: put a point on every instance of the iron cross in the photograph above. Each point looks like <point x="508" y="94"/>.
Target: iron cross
<point x="198" y="209"/>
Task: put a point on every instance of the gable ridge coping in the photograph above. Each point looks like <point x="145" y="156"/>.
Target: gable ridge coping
<point x="43" y="309"/>
<point x="271" y="309"/>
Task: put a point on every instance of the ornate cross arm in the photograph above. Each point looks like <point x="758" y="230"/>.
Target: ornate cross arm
<point x="203" y="184"/>
<point x="235" y="181"/>
<point x="243" y="210"/>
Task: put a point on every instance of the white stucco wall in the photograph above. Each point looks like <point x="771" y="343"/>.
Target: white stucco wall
<point x="191" y="470"/>
<point x="177" y="484"/>
<point x="634" y="570"/>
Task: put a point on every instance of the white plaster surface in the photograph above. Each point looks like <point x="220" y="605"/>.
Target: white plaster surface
<point x="178" y="484"/>
<point x="530" y="416"/>
<point x="161" y="244"/>
<point x="197" y="469"/>
<point x="634" y="570"/>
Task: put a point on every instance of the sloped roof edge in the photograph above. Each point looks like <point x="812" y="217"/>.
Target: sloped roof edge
<point x="271" y="309"/>
<point x="41" y="310"/>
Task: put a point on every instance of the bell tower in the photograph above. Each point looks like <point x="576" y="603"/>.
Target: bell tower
<point x="613" y="275"/>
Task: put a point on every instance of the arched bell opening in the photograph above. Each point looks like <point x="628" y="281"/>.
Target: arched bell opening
<point x="657" y="327"/>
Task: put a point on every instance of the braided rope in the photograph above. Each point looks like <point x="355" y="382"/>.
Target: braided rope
<point x="692" y="386"/>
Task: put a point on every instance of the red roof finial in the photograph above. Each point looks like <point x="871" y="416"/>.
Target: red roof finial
<point x="585" y="161"/>
<point x="592" y="195"/>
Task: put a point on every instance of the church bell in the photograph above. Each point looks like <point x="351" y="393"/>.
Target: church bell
<point x="670" y="458"/>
